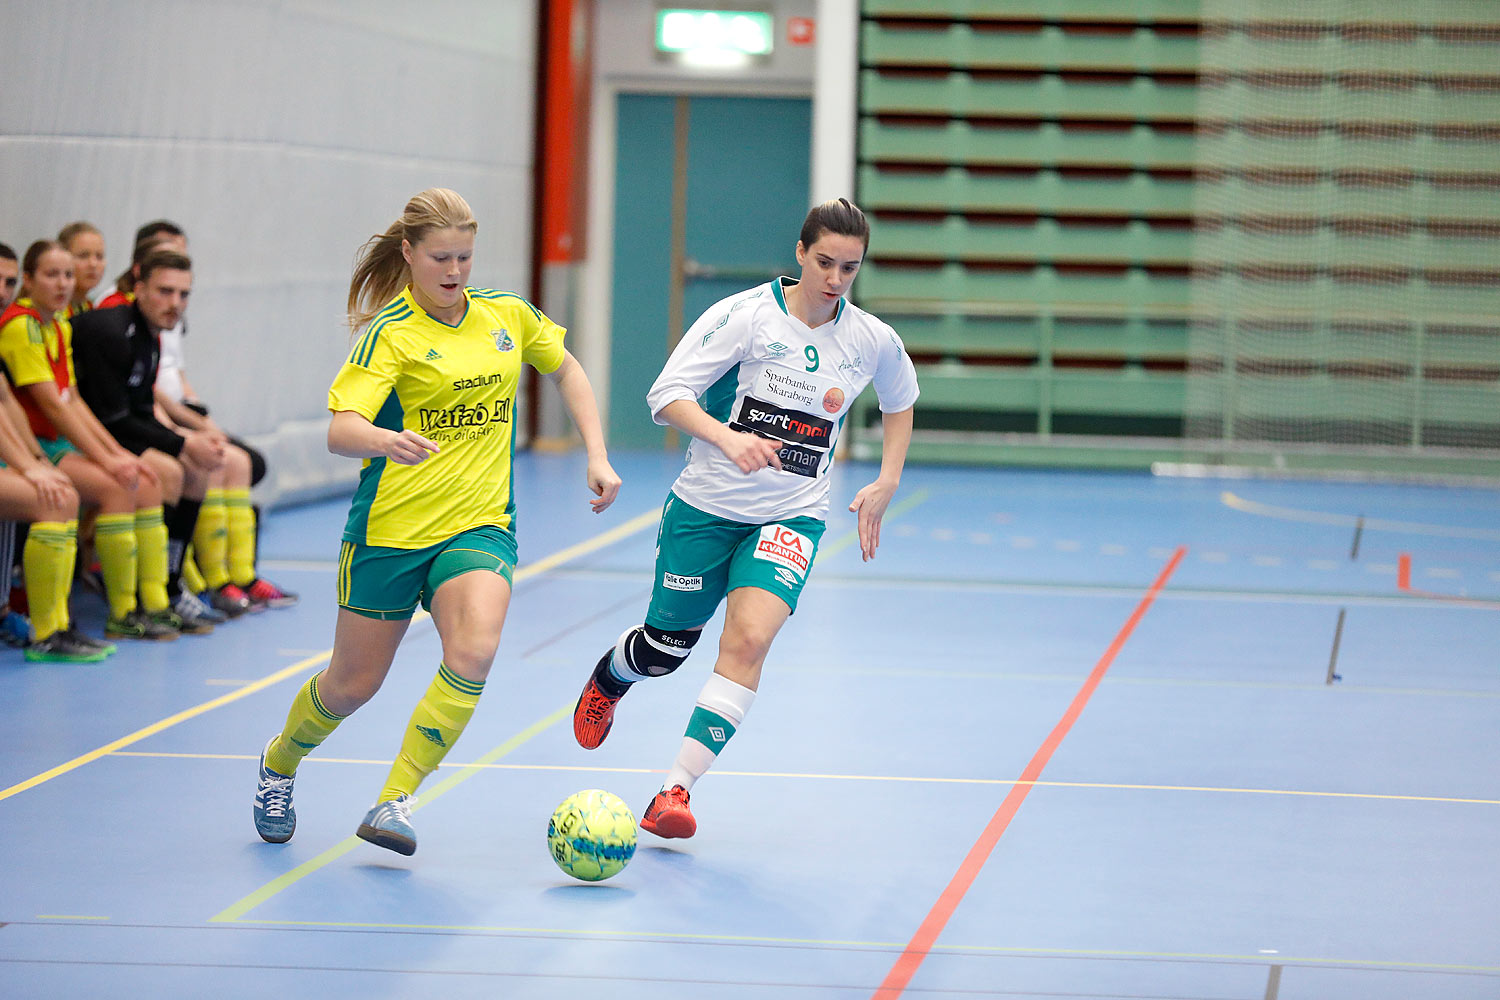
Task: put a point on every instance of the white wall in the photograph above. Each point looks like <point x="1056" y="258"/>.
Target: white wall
<point x="280" y="134"/>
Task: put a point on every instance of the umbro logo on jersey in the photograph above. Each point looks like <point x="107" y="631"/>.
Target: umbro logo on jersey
<point x="433" y="355"/>
<point x="432" y="733"/>
<point x="718" y="734"/>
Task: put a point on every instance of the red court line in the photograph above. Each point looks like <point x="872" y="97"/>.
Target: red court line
<point x="1403" y="584"/>
<point x="937" y="918"/>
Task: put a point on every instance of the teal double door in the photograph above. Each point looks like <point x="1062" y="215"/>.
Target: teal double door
<point x="709" y="195"/>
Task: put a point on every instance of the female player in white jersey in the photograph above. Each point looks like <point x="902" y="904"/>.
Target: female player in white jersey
<point x="762" y="382"/>
<point x="426" y="398"/>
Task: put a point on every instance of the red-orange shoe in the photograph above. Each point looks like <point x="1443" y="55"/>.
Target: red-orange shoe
<point x="668" y="814"/>
<point x="595" y="711"/>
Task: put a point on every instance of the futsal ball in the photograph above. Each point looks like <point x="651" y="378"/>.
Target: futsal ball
<point x="591" y="835"/>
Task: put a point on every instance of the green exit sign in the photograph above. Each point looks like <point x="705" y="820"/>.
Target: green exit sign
<point x="714" y="32"/>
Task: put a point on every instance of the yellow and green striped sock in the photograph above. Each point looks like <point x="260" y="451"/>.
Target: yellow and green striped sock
<point x="151" y="557"/>
<point x="47" y="564"/>
<point x="114" y="540"/>
<point x="211" y="539"/>
<point x="436" y="724"/>
<point x="241" y="528"/>
<point x="308" y="724"/>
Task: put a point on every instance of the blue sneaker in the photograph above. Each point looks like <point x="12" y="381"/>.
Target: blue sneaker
<point x="275" y="819"/>
<point x="388" y="825"/>
<point x="15" y="630"/>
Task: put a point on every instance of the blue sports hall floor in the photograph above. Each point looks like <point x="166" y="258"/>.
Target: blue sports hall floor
<point x="1069" y="735"/>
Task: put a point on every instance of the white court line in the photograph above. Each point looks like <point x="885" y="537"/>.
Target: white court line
<point x="1350" y="521"/>
<point x="1053" y="589"/>
<point x="897" y="778"/>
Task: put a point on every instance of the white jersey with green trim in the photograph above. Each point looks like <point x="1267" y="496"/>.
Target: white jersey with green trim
<point x="754" y="366"/>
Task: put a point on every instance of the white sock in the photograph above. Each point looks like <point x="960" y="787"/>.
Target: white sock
<point x="722" y="706"/>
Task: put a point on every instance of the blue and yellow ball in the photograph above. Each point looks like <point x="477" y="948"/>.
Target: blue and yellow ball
<point x="592" y="835"/>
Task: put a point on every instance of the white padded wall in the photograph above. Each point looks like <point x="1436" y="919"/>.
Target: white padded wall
<point x="280" y="135"/>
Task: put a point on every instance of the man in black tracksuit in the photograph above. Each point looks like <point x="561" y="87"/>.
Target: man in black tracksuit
<point x="115" y="357"/>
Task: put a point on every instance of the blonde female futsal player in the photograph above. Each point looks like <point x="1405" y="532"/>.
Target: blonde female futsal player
<point x="427" y="399"/>
<point x="775" y="369"/>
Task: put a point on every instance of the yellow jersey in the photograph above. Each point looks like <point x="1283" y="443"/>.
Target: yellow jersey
<point x="455" y="385"/>
<point x="33" y="352"/>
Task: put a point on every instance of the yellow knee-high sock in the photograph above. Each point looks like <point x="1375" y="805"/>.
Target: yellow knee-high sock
<point x="47" y="564"/>
<point x="151" y="557"/>
<point x="308" y="724"/>
<point x="114" y="540"/>
<point x="211" y="539"/>
<point x="436" y="723"/>
<point x="240" y="518"/>
<point x="192" y="579"/>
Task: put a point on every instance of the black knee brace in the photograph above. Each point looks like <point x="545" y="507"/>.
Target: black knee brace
<point x="653" y="652"/>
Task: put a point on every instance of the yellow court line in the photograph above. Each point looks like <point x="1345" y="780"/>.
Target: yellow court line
<point x="483" y="764"/>
<point x="1349" y="520"/>
<point x="163" y="724"/>
<point x="265" y="892"/>
<point x="541" y="566"/>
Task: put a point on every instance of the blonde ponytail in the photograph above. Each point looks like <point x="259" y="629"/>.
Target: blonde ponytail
<point x="380" y="268"/>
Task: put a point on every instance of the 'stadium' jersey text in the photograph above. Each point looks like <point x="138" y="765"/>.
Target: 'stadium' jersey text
<point x="455" y="385"/>
<point x="754" y="366"/>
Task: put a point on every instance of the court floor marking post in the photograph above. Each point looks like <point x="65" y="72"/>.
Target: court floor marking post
<point x="925" y="938"/>
<point x="556" y="559"/>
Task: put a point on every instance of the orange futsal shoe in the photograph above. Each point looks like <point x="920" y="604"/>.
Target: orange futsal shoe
<point x="595" y="711"/>
<point x="668" y="814"/>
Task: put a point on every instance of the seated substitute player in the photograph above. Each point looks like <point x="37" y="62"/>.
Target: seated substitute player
<point x="84" y="241"/>
<point x="225" y="541"/>
<point x="426" y="398"/>
<point x="131" y="537"/>
<point x="151" y="236"/>
<point x="115" y="354"/>
<point x="775" y="368"/>
<point x="14" y="629"/>
<point x="31" y="490"/>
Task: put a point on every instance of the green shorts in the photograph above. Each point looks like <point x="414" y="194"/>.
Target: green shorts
<point x="385" y="583"/>
<point x="700" y="558"/>
<point x="56" y="448"/>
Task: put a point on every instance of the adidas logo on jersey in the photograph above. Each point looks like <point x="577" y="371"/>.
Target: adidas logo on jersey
<point x="433" y="355"/>
<point x="432" y="733"/>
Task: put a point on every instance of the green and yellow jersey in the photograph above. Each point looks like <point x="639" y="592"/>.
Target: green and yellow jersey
<point x="35" y="352"/>
<point x="455" y="385"/>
